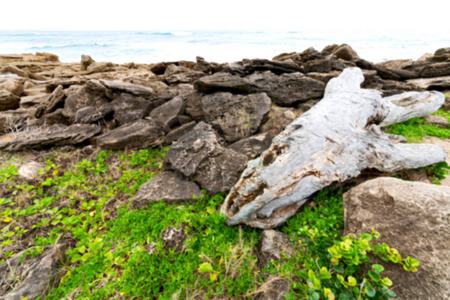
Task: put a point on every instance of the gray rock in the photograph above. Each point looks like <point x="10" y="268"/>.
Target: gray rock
<point x="252" y="146"/>
<point x="275" y="288"/>
<point x="139" y="134"/>
<point x="324" y="77"/>
<point x="438" y="121"/>
<point x="56" y="135"/>
<point x="125" y="87"/>
<point x="91" y="94"/>
<point x="38" y="277"/>
<point x="275" y="245"/>
<point x="441" y="55"/>
<point x="50" y="119"/>
<point x="90" y="114"/>
<point x="277" y="67"/>
<point x="174" y="74"/>
<point x="8" y="101"/>
<point x="194" y="106"/>
<point x="128" y="108"/>
<point x="203" y="66"/>
<point x="435" y="70"/>
<point x="436" y="83"/>
<point x="396" y="63"/>
<point x="66" y="83"/>
<point x="237" y="116"/>
<point x="53" y="101"/>
<point x="167" y="186"/>
<point x="161" y="67"/>
<point x="278" y="119"/>
<point x="30" y="170"/>
<point x="222" y="82"/>
<point x="173" y="238"/>
<point x="287" y="88"/>
<point x="176" y="133"/>
<point x="386" y="73"/>
<point x="168" y="112"/>
<point x="344" y="52"/>
<point x="199" y="156"/>
<point x="411" y="217"/>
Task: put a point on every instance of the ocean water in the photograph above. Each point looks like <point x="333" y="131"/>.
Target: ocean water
<point x="217" y="46"/>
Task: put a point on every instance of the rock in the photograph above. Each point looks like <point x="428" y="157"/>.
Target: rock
<point x="319" y="65"/>
<point x="277" y="67"/>
<point x="176" y="133"/>
<point x="29" y="101"/>
<point x="13" y="120"/>
<point x="54" y="100"/>
<point x="199" y="156"/>
<point x="173" y="238"/>
<point x="275" y="288"/>
<point x="128" y="108"/>
<point x="438" y="121"/>
<point x="139" y="134"/>
<point x="50" y="119"/>
<point x="222" y="82"/>
<point x="38" y="276"/>
<point x="332" y="142"/>
<point x="184" y="89"/>
<point x="124" y="87"/>
<point x="169" y="111"/>
<point x="15" y="87"/>
<point x="56" y="135"/>
<point x="91" y="94"/>
<point x="66" y="83"/>
<point x="237" y="116"/>
<point x="435" y="70"/>
<point x="30" y="170"/>
<point x="436" y="83"/>
<point x="183" y="119"/>
<point x="203" y="66"/>
<point x="194" y="106"/>
<point x="99" y="67"/>
<point x="252" y="146"/>
<point x="287" y="88"/>
<point x="11" y="69"/>
<point x="324" y="77"/>
<point x="161" y="67"/>
<point x="8" y="101"/>
<point x="86" y="61"/>
<point x="36" y="90"/>
<point x="91" y="114"/>
<point x="167" y="186"/>
<point x="174" y="74"/>
<point x="278" y="119"/>
<point x="411" y="217"/>
<point x="441" y="55"/>
<point x="396" y="64"/>
<point x="275" y="245"/>
<point x="345" y="52"/>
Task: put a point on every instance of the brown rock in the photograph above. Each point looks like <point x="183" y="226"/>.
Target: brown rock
<point x="86" y="61"/>
<point x="274" y="246"/>
<point x="278" y="119"/>
<point x="411" y="217"/>
<point x="13" y="86"/>
<point x="174" y="74"/>
<point x="8" y="101"/>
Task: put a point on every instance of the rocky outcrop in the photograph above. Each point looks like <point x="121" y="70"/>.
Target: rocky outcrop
<point x="167" y="186"/>
<point x="236" y="116"/>
<point x="411" y="217"/>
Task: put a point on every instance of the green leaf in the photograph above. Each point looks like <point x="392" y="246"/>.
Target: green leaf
<point x="370" y="292"/>
<point x="213" y="276"/>
<point x="378" y="268"/>
<point x="351" y="281"/>
<point x="205" y="268"/>
<point x="315" y="296"/>
<point x="375" y="276"/>
<point x="109" y="255"/>
<point x="324" y="273"/>
<point x="86" y="256"/>
<point x="75" y="258"/>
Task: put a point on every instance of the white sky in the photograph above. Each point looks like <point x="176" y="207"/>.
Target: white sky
<point x="347" y="15"/>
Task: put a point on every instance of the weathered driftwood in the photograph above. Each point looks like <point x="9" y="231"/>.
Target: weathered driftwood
<point x="332" y="142"/>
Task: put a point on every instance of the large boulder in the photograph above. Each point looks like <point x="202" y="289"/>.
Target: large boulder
<point x="139" y="134"/>
<point x="8" y="101"/>
<point x="411" y="217"/>
<point x="223" y="82"/>
<point x="199" y="156"/>
<point x="287" y="88"/>
<point x="236" y="116"/>
<point x="170" y="187"/>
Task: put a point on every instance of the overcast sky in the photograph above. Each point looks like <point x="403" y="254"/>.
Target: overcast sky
<point x="350" y="15"/>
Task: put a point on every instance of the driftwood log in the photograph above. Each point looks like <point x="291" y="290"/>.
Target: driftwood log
<point x="334" y="141"/>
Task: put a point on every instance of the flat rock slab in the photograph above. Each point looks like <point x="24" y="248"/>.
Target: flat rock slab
<point x="436" y="83"/>
<point x="56" y="135"/>
<point x="287" y="88"/>
<point x="411" y="217"/>
<point x="332" y="142"/>
<point x="252" y="146"/>
<point x="167" y="186"/>
<point x="237" y="116"/>
<point x="139" y="134"/>
<point x="128" y="108"/>
<point x="125" y="87"/>
<point x="168" y="112"/>
<point x="222" y="82"/>
<point x="200" y="157"/>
